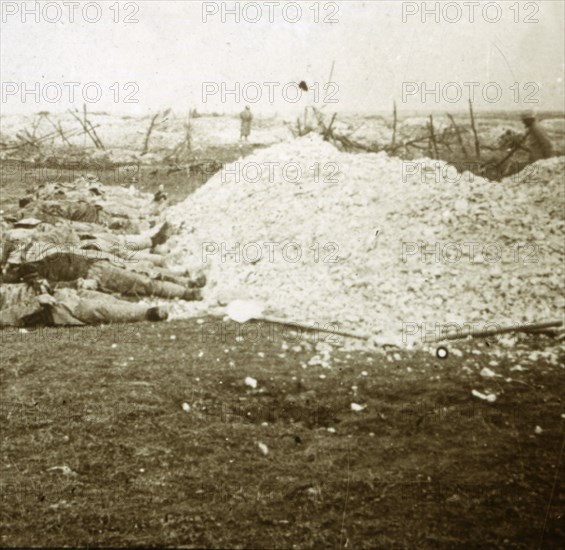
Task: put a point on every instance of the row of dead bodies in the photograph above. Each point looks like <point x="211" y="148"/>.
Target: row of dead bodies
<point x="82" y="253"/>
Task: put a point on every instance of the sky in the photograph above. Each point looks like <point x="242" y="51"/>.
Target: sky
<point x="143" y="56"/>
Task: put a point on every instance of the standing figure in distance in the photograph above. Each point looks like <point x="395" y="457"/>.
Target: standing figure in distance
<point x="246" y="118"/>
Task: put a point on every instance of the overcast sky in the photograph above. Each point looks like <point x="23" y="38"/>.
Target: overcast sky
<point x="171" y="53"/>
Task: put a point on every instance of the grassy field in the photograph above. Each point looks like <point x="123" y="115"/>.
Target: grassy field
<point x="98" y="450"/>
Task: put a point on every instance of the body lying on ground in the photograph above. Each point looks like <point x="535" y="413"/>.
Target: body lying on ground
<point x="103" y="274"/>
<point x="65" y="234"/>
<point x="83" y="236"/>
<point x="35" y="304"/>
<point x="87" y="200"/>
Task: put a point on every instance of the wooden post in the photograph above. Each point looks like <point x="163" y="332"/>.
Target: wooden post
<point x="93" y="130"/>
<point x="148" y="134"/>
<point x="433" y="137"/>
<point x="85" y="128"/>
<point x="459" y="136"/>
<point x="328" y="130"/>
<point x="393" y="141"/>
<point x="477" y="143"/>
<point x="59" y="129"/>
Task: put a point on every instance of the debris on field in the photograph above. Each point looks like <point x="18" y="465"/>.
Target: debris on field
<point x="317" y="360"/>
<point x="357" y="408"/>
<point x="263" y="448"/>
<point x="490" y="397"/>
<point x="251" y="382"/>
<point x="487" y="373"/>
<point x="538" y="430"/>
<point x="186" y="407"/>
<point x="65" y="470"/>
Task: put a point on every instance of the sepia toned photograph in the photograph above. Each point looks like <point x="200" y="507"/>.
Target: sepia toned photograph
<point x="282" y="275"/>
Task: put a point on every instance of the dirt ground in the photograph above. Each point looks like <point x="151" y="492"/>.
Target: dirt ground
<point x="99" y="451"/>
<point x="148" y="435"/>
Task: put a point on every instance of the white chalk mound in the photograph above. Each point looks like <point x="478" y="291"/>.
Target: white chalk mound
<point x="376" y="244"/>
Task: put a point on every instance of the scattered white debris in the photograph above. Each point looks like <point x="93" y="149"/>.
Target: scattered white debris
<point x="397" y="357"/>
<point x="114" y="346"/>
<point x="261" y="354"/>
<point x="317" y="360"/>
<point x="538" y="430"/>
<point x="322" y="376"/>
<point x="173" y="337"/>
<point x="487" y="373"/>
<point x="332" y="430"/>
<point x="263" y="448"/>
<point x="251" y="382"/>
<point x="490" y="397"/>
<point x="457" y="352"/>
<point x="493" y="363"/>
<point x="357" y="408"/>
<point x="186" y="407"/>
<point x="364" y="373"/>
<point x="200" y="354"/>
<point x="518" y="368"/>
<point x="65" y="470"/>
<point x="313" y="492"/>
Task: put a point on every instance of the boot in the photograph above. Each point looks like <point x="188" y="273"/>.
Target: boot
<point x="192" y="295"/>
<point x="157" y="313"/>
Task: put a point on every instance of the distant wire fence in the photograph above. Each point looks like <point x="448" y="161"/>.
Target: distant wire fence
<point x="455" y="143"/>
